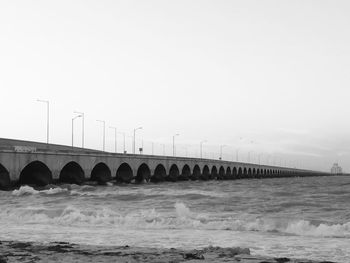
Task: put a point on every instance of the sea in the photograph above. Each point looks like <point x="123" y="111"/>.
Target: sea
<point x="302" y="217"/>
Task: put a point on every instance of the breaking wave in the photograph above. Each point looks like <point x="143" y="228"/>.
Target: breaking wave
<point x="88" y="190"/>
<point x="27" y="190"/>
<point x="181" y="218"/>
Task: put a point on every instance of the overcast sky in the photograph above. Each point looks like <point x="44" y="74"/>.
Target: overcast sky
<point x="271" y="77"/>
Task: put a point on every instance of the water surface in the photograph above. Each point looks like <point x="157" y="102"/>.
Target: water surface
<point x="287" y="217"/>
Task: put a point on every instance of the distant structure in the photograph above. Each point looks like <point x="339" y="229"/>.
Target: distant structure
<point x="336" y="169"/>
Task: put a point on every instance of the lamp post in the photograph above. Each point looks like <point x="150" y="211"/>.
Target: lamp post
<point x="104" y="133"/>
<point x="78" y="116"/>
<point x="174" y="143"/>
<point x="237" y="155"/>
<point x="133" y="145"/>
<point x="141" y="147"/>
<point x="221" y="146"/>
<point x="83" y="127"/>
<point x="201" y="147"/>
<point x="47" y="118"/>
<point x="115" y="137"/>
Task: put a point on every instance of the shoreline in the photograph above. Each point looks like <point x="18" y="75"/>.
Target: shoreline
<point x="16" y="251"/>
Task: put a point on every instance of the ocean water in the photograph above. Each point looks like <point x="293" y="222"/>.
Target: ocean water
<point x="286" y="217"/>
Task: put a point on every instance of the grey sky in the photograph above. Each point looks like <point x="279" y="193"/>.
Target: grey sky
<point x="267" y="76"/>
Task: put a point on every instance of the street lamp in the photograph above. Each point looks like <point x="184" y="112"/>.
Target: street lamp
<point x="133" y="145"/>
<point x="104" y="133"/>
<point x="115" y="137"/>
<point x="174" y="143"/>
<point x="78" y="116"/>
<point x="83" y="127"/>
<point x="47" y="118"/>
<point x="221" y="146"/>
<point x="237" y="154"/>
<point x="201" y="146"/>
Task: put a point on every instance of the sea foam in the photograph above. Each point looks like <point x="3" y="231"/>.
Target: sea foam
<point x="181" y="218"/>
<point x="27" y="190"/>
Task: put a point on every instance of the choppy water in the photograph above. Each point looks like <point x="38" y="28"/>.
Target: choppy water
<point x="292" y="217"/>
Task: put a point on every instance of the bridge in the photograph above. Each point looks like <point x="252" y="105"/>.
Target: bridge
<point x="40" y="164"/>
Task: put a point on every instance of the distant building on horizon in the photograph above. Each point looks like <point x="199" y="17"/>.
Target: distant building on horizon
<point x="336" y="169"/>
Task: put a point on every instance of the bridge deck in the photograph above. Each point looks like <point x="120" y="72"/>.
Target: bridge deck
<point x="23" y="162"/>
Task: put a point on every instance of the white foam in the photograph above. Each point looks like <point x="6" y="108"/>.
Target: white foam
<point x="181" y="218"/>
<point x="305" y="228"/>
<point x="27" y="190"/>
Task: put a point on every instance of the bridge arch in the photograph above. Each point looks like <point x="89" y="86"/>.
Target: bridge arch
<point x="214" y="173"/>
<point x="249" y="172"/>
<point x="159" y="174"/>
<point x="173" y="173"/>
<point x="234" y="173"/>
<point x="36" y="173"/>
<point x="228" y="174"/>
<point x="245" y="172"/>
<point x="101" y="173"/>
<point x="240" y="172"/>
<point x="143" y="174"/>
<point x="196" y="173"/>
<point x="221" y="175"/>
<point x="5" y="181"/>
<point x="124" y="173"/>
<point x="205" y="173"/>
<point x="72" y="173"/>
<point x="254" y="172"/>
<point x="185" y="173"/>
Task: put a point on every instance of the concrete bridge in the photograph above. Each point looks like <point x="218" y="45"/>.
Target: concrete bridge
<point x="32" y="163"/>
